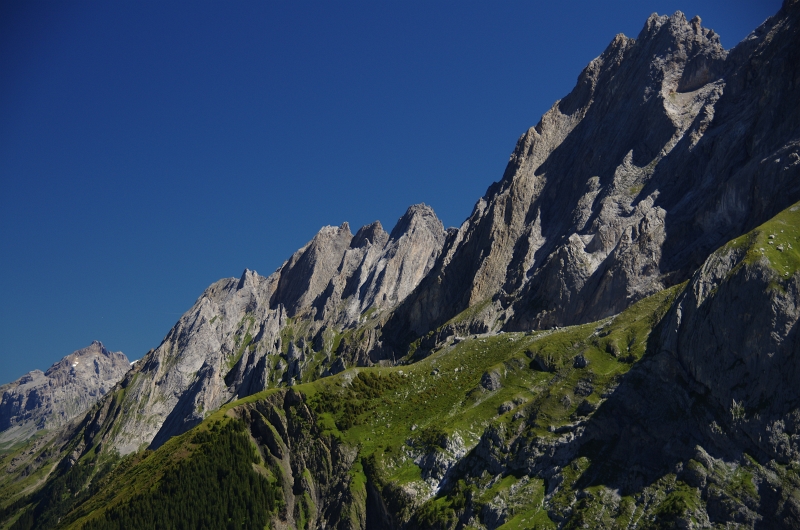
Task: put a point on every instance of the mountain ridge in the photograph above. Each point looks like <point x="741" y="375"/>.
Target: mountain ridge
<point x="611" y="422"/>
<point x="233" y="341"/>
<point x="536" y="252"/>
<point x="579" y="352"/>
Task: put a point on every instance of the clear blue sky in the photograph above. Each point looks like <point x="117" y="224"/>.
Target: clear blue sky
<point x="148" y="149"/>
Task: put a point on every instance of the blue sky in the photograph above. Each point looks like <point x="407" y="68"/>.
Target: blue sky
<point x="148" y="149"/>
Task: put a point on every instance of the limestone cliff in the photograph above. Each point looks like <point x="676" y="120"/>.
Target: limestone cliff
<point x="668" y="147"/>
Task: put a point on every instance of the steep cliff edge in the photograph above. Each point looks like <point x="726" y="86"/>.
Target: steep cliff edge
<point x="48" y="400"/>
<point x="735" y="334"/>
<point x="668" y="147"/>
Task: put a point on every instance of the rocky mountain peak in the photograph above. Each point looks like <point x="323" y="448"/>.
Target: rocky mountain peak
<point x="371" y="234"/>
<point x="417" y="215"/>
<point x="685" y="55"/>
<point x="249" y="278"/>
<point x="667" y="146"/>
<point x="45" y="400"/>
<point x="87" y="354"/>
<point x="304" y="277"/>
<point x="676" y="25"/>
<point x="226" y="345"/>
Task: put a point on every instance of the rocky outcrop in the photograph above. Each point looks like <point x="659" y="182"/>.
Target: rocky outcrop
<point x="47" y="400"/>
<point x="715" y="398"/>
<point x="668" y="146"/>
<point x="316" y="470"/>
<point x="721" y="383"/>
<point x="338" y="276"/>
<point x="735" y="334"/>
<point x="243" y="335"/>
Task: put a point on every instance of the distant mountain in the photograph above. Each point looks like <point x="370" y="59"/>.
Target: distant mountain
<point x="610" y="340"/>
<point x="47" y="400"/>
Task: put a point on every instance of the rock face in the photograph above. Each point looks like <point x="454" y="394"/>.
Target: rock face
<point x="337" y="276"/>
<point x="720" y="381"/>
<point x="243" y="335"/>
<point x="47" y="400"/>
<point x="743" y="356"/>
<point x="668" y="147"/>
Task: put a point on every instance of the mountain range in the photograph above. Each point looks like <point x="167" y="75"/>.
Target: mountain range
<point x="608" y="340"/>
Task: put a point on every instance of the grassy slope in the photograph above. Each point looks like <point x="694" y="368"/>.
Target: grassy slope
<point x="453" y="399"/>
<point x="387" y="413"/>
<point x="777" y="240"/>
